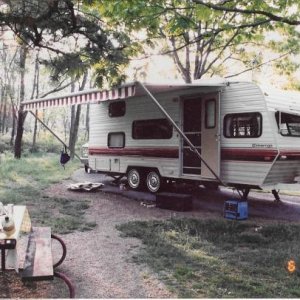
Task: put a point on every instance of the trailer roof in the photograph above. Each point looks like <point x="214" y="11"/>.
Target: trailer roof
<point x="122" y="92"/>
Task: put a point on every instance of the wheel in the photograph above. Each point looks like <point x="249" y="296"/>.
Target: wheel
<point x="153" y="182"/>
<point x="135" y="179"/>
<point x="211" y="186"/>
<point x="87" y="169"/>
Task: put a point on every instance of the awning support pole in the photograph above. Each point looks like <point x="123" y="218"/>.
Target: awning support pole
<point x="56" y="136"/>
<point x="181" y="133"/>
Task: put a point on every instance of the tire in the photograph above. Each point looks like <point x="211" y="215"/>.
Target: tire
<point x="211" y="186"/>
<point x="87" y="169"/>
<point x="153" y="182"/>
<point x="135" y="179"/>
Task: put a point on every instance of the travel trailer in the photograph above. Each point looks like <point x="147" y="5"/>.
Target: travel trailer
<point x="212" y="133"/>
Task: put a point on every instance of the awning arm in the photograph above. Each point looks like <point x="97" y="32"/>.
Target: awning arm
<point x="181" y="133"/>
<point x="52" y="132"/>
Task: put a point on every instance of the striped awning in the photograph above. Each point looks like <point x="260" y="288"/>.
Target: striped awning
<point x="122" y="92"/>
<point x="92" y="96"/>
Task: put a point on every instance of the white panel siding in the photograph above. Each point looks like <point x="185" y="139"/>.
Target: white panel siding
<point x="252" y="173"/>
<point x="167" y="167"/>
<point x="136" y="109"/>
<point x="139" y="108"/>
<point x="242" y="98"/>
<point x="283" y="171"/>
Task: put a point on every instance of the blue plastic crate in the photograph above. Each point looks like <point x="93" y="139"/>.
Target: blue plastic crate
<point x="237" y="210"/>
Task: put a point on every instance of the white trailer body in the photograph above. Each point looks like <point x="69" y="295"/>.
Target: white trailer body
<point x="246" y="137"/>
<point x="232" y="125"/>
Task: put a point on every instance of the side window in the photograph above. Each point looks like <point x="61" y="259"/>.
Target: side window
<point x="152" y="129"/>
<point x="288" y="124"/>
<point x="243" y="125"/>
<point x="117" y="109"/>
<point x="116" y="140"/>
<point x="210" y="113"/>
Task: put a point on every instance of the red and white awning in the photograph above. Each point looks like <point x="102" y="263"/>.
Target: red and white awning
<point x="80" y="98"/>
<point x="122" y="92"/>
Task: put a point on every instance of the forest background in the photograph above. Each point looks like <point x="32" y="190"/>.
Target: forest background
<point x="51" y="47"/>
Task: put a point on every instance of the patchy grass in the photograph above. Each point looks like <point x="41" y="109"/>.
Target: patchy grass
<point x="23" y="181"/>
<point x="220" y="258"/>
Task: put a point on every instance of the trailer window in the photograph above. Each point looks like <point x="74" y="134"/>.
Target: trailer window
<point x="116" y="140"/>
<point x="244" y="125"/>
<point x="117" y="109"/>
<point x="210" y="113"/>
<point x="152" y="129"/>
<point x="289" y="124"/>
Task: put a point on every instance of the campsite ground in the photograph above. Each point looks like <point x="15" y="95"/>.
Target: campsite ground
<point x="99" y="261"/>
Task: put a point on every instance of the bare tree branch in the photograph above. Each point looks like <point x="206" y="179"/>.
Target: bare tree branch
<point x="58" y="88"/>
<point x="269" y="15"/>
<point x="259" y="65"/>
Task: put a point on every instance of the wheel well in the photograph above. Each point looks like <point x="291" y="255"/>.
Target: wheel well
<point x="143" y="169"/>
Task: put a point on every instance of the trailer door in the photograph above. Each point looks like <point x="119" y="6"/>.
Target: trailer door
<point x="210" y="134"/>
<point x="192" y="123"/>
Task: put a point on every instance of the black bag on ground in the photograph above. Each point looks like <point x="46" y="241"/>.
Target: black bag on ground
<point x="64" y="156"/>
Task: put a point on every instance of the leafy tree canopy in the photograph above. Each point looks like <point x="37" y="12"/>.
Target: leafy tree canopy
<point x="78" y="37"/>
<point x="201" y="37"/>
<point x="281" y="11"/>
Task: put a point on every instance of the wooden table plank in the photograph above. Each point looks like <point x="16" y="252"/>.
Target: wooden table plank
<point x="38" y="263"/>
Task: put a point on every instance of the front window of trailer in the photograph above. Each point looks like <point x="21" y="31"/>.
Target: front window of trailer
<point x="288" y="124"/>
<point x="243" y="125"/>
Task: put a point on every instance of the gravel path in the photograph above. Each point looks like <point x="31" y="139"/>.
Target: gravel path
<point x="99" y="261"/>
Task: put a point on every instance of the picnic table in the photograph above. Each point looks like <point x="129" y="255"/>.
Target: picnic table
<point x="8" y="242"/>
<point x="28" y="249"/>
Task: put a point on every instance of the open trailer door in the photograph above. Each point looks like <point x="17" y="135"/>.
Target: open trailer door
<point x="210" y="135"/>
<point x="201" y="125"/>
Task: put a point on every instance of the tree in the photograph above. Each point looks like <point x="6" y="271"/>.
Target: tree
<point x="199" y="39"/>
<point x="51" y="25"/>
<point x="278" y="11"/>
<point x="35" y="94"/>
<point x="21" y="113"/>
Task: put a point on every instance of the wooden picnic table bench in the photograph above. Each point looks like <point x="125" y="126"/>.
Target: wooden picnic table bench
<point x="38" y="264"/>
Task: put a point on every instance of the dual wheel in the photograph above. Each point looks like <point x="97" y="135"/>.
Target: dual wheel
<point x="138" y="179"/>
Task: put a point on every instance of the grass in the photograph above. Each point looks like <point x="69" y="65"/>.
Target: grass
<point x="220" y="258"/>
<point x="23" y="182"/>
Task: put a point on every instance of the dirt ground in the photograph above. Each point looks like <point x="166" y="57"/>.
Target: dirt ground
<point x="99" y="261"/>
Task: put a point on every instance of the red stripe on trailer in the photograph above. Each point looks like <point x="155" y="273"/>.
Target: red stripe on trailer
<point x="149" y="152"/>
<point x="248" y="154"/>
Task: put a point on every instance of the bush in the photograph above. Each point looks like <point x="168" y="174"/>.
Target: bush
<point x="4" y="144"/>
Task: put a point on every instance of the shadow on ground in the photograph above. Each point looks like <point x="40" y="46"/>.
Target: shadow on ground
<point x="260" y="204"/>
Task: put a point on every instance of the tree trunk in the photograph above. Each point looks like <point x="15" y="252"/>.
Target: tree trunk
<point x="75" y="118"/>
<point x="74" y="137"/>
<point x="13" y="131"/>
<point x="21" y="113"/>
<point x="19" y="135"/>
<point x="33" y="146"/>
<point x="35" y="93"/>
<point x="4" y="118"/>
